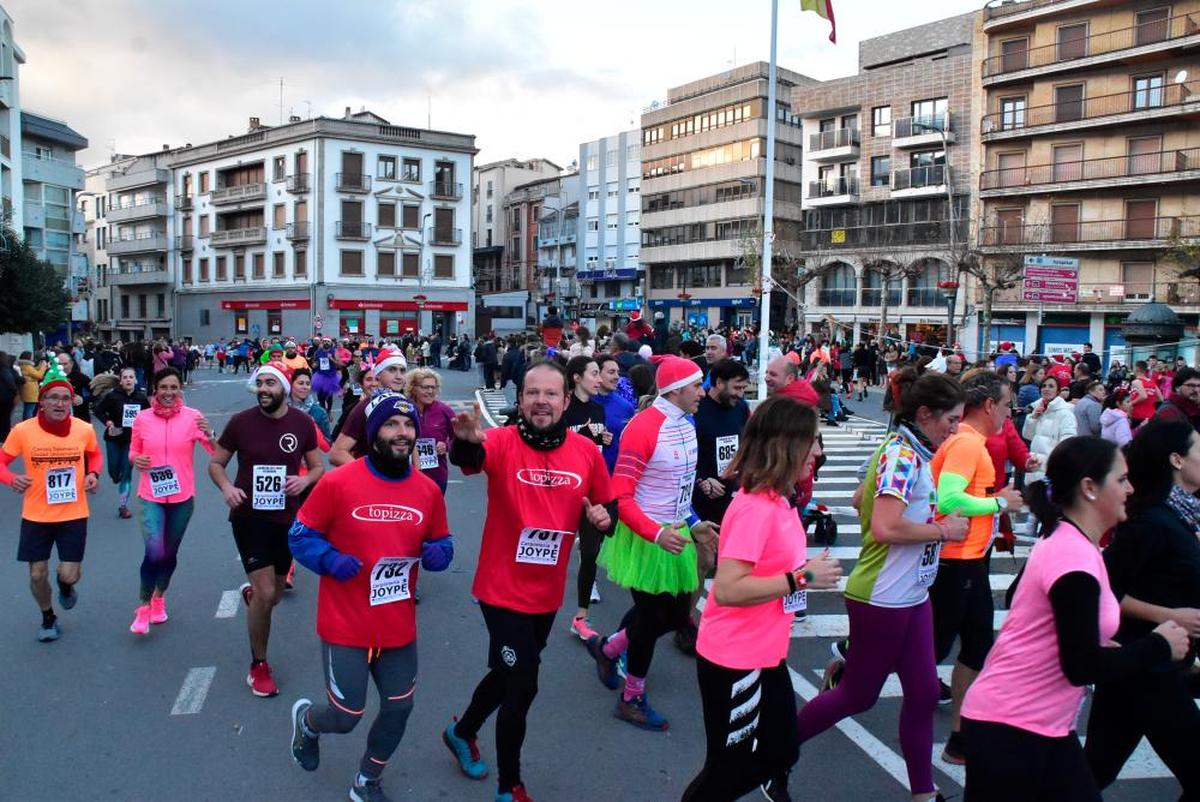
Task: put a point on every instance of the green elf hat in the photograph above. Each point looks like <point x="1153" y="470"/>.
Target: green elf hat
<point x="274" y="351"/>
<point x="54" y="378"/>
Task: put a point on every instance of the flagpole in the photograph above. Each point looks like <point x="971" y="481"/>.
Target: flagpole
<point x="768" y="229"/>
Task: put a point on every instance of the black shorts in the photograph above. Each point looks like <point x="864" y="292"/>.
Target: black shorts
<point x="963" y="608"/>
<point x="37" y="538"/>
<point x="847" y="375"/>
<point x="515" y="640"/>
<point x="262" y="544"/>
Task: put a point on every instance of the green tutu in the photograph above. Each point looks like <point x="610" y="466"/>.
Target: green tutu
<point x="636" y="563"/>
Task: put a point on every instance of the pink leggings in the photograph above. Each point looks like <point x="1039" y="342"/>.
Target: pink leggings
<point x="883" y="640"/>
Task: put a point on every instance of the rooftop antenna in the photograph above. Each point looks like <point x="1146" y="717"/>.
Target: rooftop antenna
<point x="308" y="103"/>
<point x="429" y="112"/>
<point x="281" y="100"/>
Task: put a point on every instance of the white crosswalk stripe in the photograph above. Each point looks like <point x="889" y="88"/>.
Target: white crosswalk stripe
<point x="491" y="404"/>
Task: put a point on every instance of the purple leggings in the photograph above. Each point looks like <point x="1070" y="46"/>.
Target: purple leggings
<point x="883" y="640"/>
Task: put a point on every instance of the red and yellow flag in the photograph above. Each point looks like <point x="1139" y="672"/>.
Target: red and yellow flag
<point x="825" y="9"/>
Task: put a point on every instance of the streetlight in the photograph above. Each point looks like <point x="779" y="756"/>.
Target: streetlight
<point x="946" y="177"/>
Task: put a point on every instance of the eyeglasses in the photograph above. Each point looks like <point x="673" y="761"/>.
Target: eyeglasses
<point x="427" y="387"/>
<point x="57" y="399"/>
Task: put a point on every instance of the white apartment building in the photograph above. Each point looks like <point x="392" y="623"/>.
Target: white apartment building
<point x="11" y="59"/>
<point x="609" y="228"/>
<point x="350" y="226"/>
<point x="556" y="236"/>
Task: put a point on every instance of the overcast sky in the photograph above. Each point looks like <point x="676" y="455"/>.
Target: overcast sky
<point x="526" y="77"/>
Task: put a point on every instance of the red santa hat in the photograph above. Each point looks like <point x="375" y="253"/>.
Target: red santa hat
<point x="1006" y="346"/>
<point x="675" y="372"/>
<point x="1075" y="355"/>
<point x="1060" y="358"/>
<point x="635" y="316"/>
<point x="387" y="357"/>
<point x="279" y="371"/>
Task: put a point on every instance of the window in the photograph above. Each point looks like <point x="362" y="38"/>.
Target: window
<point x="1064" y="222"/>
<point x="881" y="169"/>
<point x="1145" y="155"/>
<point x="1068" y="162"/>
<point x="1012" y="113"/>
<point x="352" y="263"/>
<point x="930" y="114"/>
<point x="1148" y="91"/>
<point x="125" y="306"/>
<point x="187" y="271"/>
<point x="612" y="190"/>
<point x="838" y="287"/>
<point x="662" y="278"/>
<point x="1011" y="226"/>
<point x="279" y="168"/>
<point x="1011" y="169"/>
<point x="239" y="267"/>
<point x="386" y="263"/>
<point x="593" y="193"/>
<point x="610" y="159"/>
<point x="593" y="161"/>
<point x="203" y="183"/>
<point x="161" y="304"/>
<point x="850" y="121"/>
<point x="610" y="222"/>
<point x="593" y="225"/>
<point x="202" y="271"/>
<point x="1138" y="280"/>
<point x="278" y="270"/>
<point x="278" y="216"/>
<point x="631" y="154"/>
<point x="1141" y="219"/>
<point x="300" y="264"/>
<point x="274" y="321"/>
<point x="1153" y="25"/>
<point x="386" y="168"/>
<point x="223" y="268"/>
<point x="1068" y="102"/>
<point x="387" y="215"/>
<point x="142" y="305"/>
<point x="443" y="265"/>
<point x="410" y="265"/>
<point x="411" y="170"/>
<point x="827" y="125"/>
<point x="205" y="317"/>
<point x="489" y="190"/>
<point x="204" y="225"/>
<point x="241" y="323"/>
<point x="410" y="216"/>
<point x="1072" y="41"/>
<point x="489" y="213"/>
<point x="1014" y="54"/>
<point x="259" y="266"/>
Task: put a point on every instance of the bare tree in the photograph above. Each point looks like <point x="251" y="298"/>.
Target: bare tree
<point x="790" y="273"/>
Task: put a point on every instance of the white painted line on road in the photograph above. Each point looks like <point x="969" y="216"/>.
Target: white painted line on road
<point x="838" y="625"/>
<point x="483" y="408"/>
<point x="229" y="604"/>
<point x="195" y="689"/>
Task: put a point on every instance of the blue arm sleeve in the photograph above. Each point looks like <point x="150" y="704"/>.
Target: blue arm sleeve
<point x="436" y="555"/>
<point x="310" y="547"/>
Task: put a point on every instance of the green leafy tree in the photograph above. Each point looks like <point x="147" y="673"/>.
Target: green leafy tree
<point x="32" y="295"/>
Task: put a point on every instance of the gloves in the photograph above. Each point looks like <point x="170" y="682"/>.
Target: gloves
<point x="342" y="566"/>
<point x="437" y="554"/>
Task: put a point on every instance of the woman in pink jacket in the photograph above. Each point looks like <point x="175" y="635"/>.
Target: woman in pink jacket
<point x="162" y="446"/>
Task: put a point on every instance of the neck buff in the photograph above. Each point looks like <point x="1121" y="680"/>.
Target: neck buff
<point x="917" y="435"/>
<point x="163" y="411"/>
<point x="1186" y="506"/>
<point x="60" y="429"/>
<point x="547" y="440"/>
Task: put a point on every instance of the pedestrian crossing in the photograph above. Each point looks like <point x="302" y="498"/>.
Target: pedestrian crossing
<point x="492" y="403"/>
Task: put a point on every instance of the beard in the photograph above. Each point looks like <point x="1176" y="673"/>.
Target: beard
<point x="392" y="454"/>
<point x="269" y="402"/>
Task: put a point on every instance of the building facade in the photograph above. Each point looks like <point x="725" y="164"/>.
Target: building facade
<point x="11" y="59"/>
<point x="607" y="266"/>
<point x="1090" y="161"/>
<point x="557" y="284"/>
<point x="703" y="169"/>
<point x="887" y="184"/>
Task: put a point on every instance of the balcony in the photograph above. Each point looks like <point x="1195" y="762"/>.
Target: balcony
<point x="35" y="215"/>
<point x="352" y="182"/>
<point x="353" y="230"/>
<point x="298" y="184"/>
<point x="1119" y="45"/>
<point x="184" y="243"/>
<point x="1089" y="235"/>
<point x="5" y="146"/>
<point x="127" y="273"/>
<point x="1114" y="171"/>
<point x="443" y="236"/>
<point x="238" y="237"/>
<point x="1134" y="106"/>
<point x="184" y="203"/>
<point x="917" y="182"/>
<point x="445" y="190"/>
<point x="839" y="145"/>
<point x="837" y="191"/>
<point x="48" y="170"/>
<point x="1002" y="13"/>
<point x="922" y="131"/>
<point x="147" y="242"/>
<point x="142" y="178"/>
<point x="238" y="193"/>
<point x="78" y="223"/>
<point x="297" y="230"/>
<point x="843" y="296"/>
<point x="139" y="209"/>
<point x="896" y="235"/>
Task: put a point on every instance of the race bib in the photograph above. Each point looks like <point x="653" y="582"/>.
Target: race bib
<point x="427" y="458"/>
<point x="390" y="580"/>
<point x="927" y="567"/>
<point x="727" y="447"/>
<point x="323" y="363"/>
<point x="356" y="390"/>
<point x="128" y="413"/>
<point x="540" y="546"/>
<point x="795" y="602"/>
<point x="163" y="481"/>
<point x="60" y="486"/>
<point x="683" y="504"/>
<point x="267" y="490"/>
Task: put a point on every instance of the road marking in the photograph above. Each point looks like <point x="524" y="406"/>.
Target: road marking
<point x="891" y="686"/>
<point x="195" y="689"/>
<point x="483" y="408"/>
<point x="229" y="603"/>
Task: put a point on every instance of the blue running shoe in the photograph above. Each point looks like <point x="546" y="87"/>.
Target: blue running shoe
<point x="606" y="667"/>
<point x="638" y="712"/>
<point x="466" y="753"/>
<point x="47" y="634"/>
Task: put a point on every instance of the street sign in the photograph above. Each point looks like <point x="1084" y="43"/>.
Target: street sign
<point x="256" y="329"/>
<point x="1051" y="279"/>
<point x="1052" y="261"/>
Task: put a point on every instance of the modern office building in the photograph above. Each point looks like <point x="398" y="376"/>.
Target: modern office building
<point x="703" y="168"/>
<point x="557" y="239"/>
<point x="886" y="171"/>
<point x="1091" y="160"/>
<point x="609" y="189"/>
<point x="11" y="59"/>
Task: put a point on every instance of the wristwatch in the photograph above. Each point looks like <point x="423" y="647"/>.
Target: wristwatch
<point x="1001" y="502"/>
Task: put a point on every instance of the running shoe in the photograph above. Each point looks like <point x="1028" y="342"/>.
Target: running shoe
<point x="582" y="628"/>
<point x="953" y="751"/>
<point x="123" y="512"/>
<point x="833" y="674"/>
<point x="48" y="634"/>
<point x="466" y="753"/>
<point x="606" y="668"/>
<point x="685" y="638"/>
<point x="840" y="648"/>
<point x="517" y="794"/>
<point x="595" y="594"/>
<point x="306" y="749"/>
<point x="945" y="695"/>
<point x="247" y="592"/>
<point x="141" y="620"/>
<point x="776" y="790"/>
<point x="638" y="712"/>
<point x="158" y="610"/>
<point x="291" y="575"/>
<point x="623" y="666"/>
<point x="68" y="602"/>
<point x="365" y="790"/>
<point x="260" y="680"/>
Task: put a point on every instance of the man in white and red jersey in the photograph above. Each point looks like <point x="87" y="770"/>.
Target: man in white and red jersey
<point x="652" y="551"/>
<point x="543" y="480"/>
<point x="379" y="514"/>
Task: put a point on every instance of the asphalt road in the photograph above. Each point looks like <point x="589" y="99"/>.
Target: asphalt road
<point x="102" y="714"/>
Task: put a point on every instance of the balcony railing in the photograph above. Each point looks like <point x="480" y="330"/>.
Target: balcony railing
<point x="906" y="127"/>
<point x="445" y="190"/>
<point x="1136" y="229"/>
<point x="140" y="208"/>
<point x="239" y="193"/>
<point x="1090" y="108"/>
<point x="184" y="242"/>
<point x="298" y="184"/>
<point x="828" y="140"/>
<point x="933" y="175"/>
<point x="184" y="203"/>
<point x="882" y="236"/>
<point x="297" y="230"/>
<point x="833" y="187"/>
<point x="1003" y="8"/>
<point x="1158" y="165"/>
<point x="353" y="229"/>
<point x="1098" y="44"/>
<point x="137" y="243"/>
<point x="352" y="182"/>
<point x="233" y="237"/>
<point x="443" y="236"/>
<point x="873" y="296"/>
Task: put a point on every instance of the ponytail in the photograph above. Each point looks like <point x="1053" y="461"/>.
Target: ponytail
<point x="1072" y="461"/>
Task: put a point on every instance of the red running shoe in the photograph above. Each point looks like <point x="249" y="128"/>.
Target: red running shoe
<point x="260" y="681"/>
